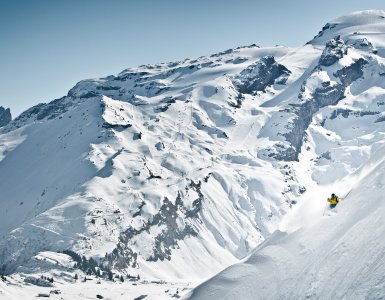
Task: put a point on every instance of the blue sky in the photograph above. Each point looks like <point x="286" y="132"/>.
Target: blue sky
<point x="46" y="46"/>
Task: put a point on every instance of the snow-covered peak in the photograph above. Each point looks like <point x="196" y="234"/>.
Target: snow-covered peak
<point x="368" y="24"/>
<point x="175" y="171"/>
<point x="364" y="17"/>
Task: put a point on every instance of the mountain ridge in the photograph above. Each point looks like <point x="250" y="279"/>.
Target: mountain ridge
<point x="178" y="170"/>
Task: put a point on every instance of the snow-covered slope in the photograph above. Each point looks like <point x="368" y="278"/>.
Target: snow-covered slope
<point x="175" y="171"/>
<point x="152" y="171"/>
<point x="316" y="256"/>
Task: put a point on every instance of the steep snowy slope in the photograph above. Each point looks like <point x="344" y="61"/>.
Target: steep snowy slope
<point x="314" y="256"/>
<point x="175" y="171"/>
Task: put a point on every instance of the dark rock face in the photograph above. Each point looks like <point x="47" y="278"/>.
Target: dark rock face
<point x="258" y="76"/>
<point x="334" y="50"/>
<point x="327" y="27"/>
<point x="42" y="111"/>
<point x="351" y="73"/>
<point x="329" y="95"/>
<point x="170" y="216"/>
<point x="303" y="113"/>
<point x="380" y="119"/>
<point x="361" y="44"/>
<point x="345" y="113"/>
<point x="5" y="116"/>
<point x="164" y="104"/>
<point x="159" y="146"/>
<point x="325" y="94"/>
<point x="117" y="127"/>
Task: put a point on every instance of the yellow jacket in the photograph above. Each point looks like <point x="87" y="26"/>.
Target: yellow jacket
<point x="334" y="200"/>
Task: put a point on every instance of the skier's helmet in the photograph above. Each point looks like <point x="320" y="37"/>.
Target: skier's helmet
<point x="333" y="195"/>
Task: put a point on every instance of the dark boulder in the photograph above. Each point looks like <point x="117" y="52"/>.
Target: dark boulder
<point x="5" y="116"/>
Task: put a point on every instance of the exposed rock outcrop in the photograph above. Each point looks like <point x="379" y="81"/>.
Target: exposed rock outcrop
<point x="335" y="49"/>
<point x="311" y="98"/>
<point x="170" y="217"/>
<point x="5" y="116"/>
<point x="257" y="77"/>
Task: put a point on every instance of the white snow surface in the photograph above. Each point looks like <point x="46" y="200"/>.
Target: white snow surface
<point x="318" y="255"/>
<point x="169" y="172"/>
<point x="79" y="177"/>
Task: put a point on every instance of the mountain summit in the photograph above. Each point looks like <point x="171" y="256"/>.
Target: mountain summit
<point x="177" y="170"/>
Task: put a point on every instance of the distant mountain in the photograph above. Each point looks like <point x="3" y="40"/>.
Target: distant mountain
<point x="178" y="170"/>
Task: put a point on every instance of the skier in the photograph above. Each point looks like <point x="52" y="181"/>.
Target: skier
<point x="333" y="200"/>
